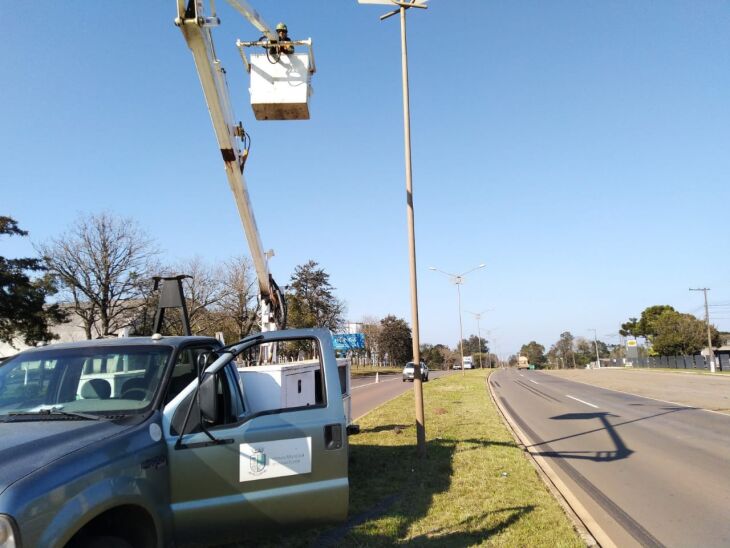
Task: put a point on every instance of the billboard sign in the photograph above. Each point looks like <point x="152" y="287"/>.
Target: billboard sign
<point x="348" y="341"/>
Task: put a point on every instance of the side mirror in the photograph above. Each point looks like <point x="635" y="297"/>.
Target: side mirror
<point x="208" y="397"/>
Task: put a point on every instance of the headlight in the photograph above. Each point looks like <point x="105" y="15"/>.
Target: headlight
<point x="8" y="538"/>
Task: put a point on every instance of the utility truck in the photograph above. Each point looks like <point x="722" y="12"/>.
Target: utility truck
<point x="175" y="440"/>
<point x="157" y="441"/>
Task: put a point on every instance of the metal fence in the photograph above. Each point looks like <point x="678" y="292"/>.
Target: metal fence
<point x="722" y="362"/>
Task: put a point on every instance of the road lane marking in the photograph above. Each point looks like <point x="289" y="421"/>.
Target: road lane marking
<point x="581" y="401"/>
<point x="372" y="383"/>
<point x="533" y="381"/>
<point x="648" y="397"/>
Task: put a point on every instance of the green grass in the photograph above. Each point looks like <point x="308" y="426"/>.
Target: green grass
<point x="474" y="488"/>
<point x="369" y="370"/>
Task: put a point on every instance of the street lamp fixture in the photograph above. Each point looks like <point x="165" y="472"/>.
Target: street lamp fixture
<point x="458" y="279"/>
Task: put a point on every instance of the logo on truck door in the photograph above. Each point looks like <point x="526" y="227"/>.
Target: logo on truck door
<point x="275" y="459"/>
<point x="258" y="462"/>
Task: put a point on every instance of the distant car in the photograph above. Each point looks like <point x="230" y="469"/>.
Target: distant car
<point x="408" y="372"/>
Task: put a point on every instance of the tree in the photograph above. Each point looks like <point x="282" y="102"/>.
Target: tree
<point x="647" y="324"/>
<point x="238" y="301"/>
<point x="395" y="340"/>
<point x="311" y="301"/>
<point x="563" y="349"/>
<point x="535" y="353"/>
<point x="474" y="345"/>
<point x="585" y="352"/>
<point x="435" y="356"/>
<point x="99" y="263"/>
<point x="203" y="292"/>
<point x="681" y="334"/>
<point x="630" y="328"/>
<point x="23" y="312"/>
<point x="371" y="330"/>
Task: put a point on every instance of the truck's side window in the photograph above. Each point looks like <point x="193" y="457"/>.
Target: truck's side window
<point x="288" y="376"/>
<point x="185" y="370"/>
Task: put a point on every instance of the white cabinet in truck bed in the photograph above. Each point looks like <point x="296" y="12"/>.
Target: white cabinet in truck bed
<point x="279" y="386"/>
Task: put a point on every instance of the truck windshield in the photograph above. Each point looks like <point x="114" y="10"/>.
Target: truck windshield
<point x="104" y="380"/>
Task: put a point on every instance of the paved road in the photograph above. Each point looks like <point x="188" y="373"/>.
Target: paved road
<point x="649" y="472"/>
<point x="686" y="388"/>
<point x="367" y="394"/>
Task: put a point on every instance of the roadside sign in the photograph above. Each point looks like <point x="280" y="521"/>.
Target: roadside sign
<point x="348" y="341"/>
<point x="631" y="342"/>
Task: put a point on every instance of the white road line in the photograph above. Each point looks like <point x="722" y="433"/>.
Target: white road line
<point x="533" y="381"/>
<point x="372" y="383"/>
<point x="581" y="401"/>
<point x="649" y="397"/>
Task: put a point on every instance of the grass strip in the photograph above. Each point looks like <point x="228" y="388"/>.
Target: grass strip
<point x="474" y="488"/>
<point x="369" y="371"/>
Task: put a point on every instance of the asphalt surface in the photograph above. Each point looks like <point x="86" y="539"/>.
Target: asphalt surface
<point x="650" y="473"/>
<point x="367" y="394"/>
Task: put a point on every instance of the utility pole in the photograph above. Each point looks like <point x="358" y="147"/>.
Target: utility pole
<point x="595" y="340"/>
<point x="707" y="322"/>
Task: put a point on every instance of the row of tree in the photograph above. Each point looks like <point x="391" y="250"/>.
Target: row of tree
<point x="567" y="352"/>
<point x="665" y="332"/>
<point x="100" y="273"/>
<point x="670" y="333"/>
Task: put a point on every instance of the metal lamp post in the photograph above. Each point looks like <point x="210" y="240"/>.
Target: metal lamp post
<point x="458" y="279"/>
<point x="417" y="382"/>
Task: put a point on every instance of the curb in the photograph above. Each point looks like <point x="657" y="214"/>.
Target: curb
<point x="587" y="527"/>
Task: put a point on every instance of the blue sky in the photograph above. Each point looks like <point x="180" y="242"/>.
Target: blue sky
<point x="579" y="149"/>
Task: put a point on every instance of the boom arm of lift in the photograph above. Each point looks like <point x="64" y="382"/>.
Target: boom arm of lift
<point x="196" y="28"/>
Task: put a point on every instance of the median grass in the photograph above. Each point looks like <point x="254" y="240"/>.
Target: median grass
<point x="369" y="370"/>
<point x="475" y="487"/>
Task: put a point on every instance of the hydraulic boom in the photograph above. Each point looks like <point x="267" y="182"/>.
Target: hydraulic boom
<point x="196" y="28"/>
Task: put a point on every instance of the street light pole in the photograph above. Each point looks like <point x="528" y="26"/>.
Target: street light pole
<point x="417" y="381"/>
<point x="458" y="279"/>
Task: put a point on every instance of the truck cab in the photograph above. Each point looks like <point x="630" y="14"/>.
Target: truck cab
<point x="155" y="441"/>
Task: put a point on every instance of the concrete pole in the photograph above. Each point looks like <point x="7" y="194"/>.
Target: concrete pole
<point x="598" y="358"/>
<point x="709" y="331"/>
<point x="461" y="329"/>
<point x="417" y="382"/>
<point x="479" y="336"/>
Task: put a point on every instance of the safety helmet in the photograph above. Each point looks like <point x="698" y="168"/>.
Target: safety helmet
<point x="281" y="26"/>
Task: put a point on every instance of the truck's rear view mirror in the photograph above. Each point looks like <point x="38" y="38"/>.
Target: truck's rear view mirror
<point x="209" y="399"/>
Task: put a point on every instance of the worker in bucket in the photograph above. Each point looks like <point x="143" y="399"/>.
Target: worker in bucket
<point x="282" y="36"/>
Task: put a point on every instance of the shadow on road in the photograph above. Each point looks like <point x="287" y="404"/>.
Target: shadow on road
<point x="620" y="450"/>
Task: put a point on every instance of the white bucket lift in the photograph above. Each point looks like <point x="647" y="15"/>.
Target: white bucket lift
<point x="280" y="84"/>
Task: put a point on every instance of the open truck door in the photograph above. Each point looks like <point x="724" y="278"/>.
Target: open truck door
<point x="256" y="445"/>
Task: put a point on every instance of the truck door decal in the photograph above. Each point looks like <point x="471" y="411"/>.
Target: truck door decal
<point x="274" y="459"/>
